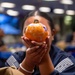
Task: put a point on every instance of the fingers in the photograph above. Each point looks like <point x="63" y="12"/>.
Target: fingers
<point x="48" y="41"/>
<point x="36" y="53"/>
<point x="33" y="49"/>
<point x="31" y="43"/>
<point x="26" y="41"/>
<point x="41" y="49"/>
<point x="40" y="55"/>
<point x="37" y="43"/>
<point x="36" y="50"/>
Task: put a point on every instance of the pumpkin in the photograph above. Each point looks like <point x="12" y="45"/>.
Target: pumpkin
<point x="36" y="31"/>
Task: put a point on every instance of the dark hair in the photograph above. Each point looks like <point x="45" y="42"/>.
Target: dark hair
<point x="42" y="14"/>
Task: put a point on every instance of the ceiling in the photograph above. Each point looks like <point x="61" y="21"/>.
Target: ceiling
<point x="38" y="3"/>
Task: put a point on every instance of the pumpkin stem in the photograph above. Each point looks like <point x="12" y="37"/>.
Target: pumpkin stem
<point x="36" y="21"/>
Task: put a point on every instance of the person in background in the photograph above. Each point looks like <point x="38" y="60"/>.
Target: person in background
<point x="42" y="58"/>
<point x="3" y="47"/>
<point x="57" y="40"/>
<point x="70" y="38"/>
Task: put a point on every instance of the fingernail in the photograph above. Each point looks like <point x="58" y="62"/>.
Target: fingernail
<point x="48" y="36"/>
<point x="32" y="41"/>
<point x="44" y="42"/>
<point x="26" y="38"/>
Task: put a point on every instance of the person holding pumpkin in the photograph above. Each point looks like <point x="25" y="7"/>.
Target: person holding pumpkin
<point x="41" y="56"/>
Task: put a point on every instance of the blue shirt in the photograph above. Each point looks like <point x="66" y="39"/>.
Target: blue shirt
<point x="63" y="62"/>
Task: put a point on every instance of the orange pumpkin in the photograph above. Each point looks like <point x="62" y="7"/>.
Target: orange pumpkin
<point x="36" y="31"/>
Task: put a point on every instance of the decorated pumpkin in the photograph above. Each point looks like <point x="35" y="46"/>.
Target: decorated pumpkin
<point x="36" y="31"/>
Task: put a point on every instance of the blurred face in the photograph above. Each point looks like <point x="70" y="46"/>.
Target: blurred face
<point x="41" y="20"/>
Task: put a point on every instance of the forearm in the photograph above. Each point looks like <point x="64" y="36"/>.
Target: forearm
<point x="26" y="66"/>
<point x="46" y="67"/>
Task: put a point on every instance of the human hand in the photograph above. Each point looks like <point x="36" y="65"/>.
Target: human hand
<point x="46" y="66"/>
<point x="35" y="54"/>
<point x="48" y="42"/>
<point x="48" y="46"/>
<point x="29" y="43"/>
<point x="35" y="51"/>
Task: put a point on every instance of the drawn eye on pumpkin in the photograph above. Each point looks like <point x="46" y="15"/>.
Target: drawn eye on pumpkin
<point x="45" y="28"/>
